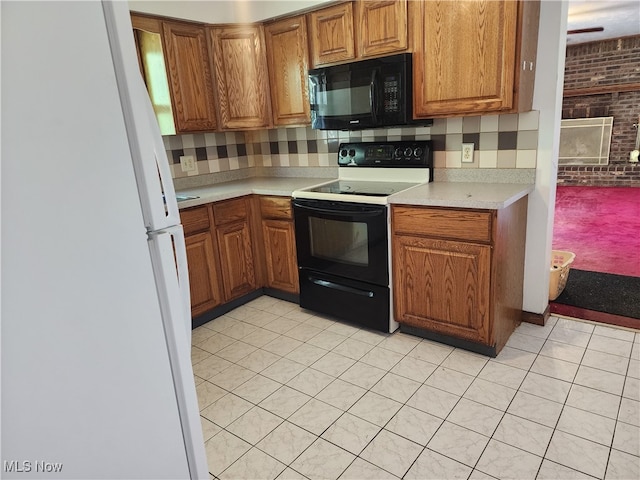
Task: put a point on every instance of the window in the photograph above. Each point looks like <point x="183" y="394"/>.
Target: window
<point x="585" y="141"/>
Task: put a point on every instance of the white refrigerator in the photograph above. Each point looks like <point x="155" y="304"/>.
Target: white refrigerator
<point x="96" y="378"/>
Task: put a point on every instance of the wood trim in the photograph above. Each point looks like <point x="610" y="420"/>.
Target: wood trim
<point x="593" y="316"/>
<point x="164" y="18"/>
<point x="601" y="89"/>
<point x="148" y="24"/>
<point x="537" y="318"/>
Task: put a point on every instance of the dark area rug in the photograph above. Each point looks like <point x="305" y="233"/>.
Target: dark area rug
<point x="602" y="292"/>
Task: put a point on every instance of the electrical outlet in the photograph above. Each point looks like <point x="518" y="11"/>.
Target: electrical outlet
<point x="188" y="164"/>
<point x="467" y="153"/>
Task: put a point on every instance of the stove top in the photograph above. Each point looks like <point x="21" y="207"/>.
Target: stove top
<point x="369" y="172"/>
<point x="368" y="188"/>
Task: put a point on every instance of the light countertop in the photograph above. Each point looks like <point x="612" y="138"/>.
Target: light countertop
<point x="280" y="186"/>
<point x="490" y="196"/>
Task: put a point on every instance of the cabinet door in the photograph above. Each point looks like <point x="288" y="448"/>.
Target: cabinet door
<point x="236" y="258"/>
<point x="147" y="33"/>
<point x="203" y="276"/>
<point x="288" y="60"/>
<point x="241" y="76"/>
<point x="443" y="286"/>
<point x="331" y="31"/>
<point x="464" y="56"/>
<point x="189" y="77"/>
<point x="280" y="253"/>
<point x="382" y="27"/>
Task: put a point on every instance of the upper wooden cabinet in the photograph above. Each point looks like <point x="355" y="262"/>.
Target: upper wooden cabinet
<point x="147" y="33"/>
<point x="288" y="60"/>
<point x="332" y="35"/>
<point x="241" y="76"/>
<point x="382" y="27"/>
<point x="188" y="64"/>
<point x="467" y="56"/>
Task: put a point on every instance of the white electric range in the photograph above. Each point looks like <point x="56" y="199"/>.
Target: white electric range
<point x="343" y="230"/>
<point x="371" y="172"/>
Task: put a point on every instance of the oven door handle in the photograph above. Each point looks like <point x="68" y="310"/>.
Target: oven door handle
<point x="340" y="212"/>
<point x="344" y="288"/>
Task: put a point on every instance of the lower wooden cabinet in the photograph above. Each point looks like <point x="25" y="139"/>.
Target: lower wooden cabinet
<point x="279" y="244"/>
<point x="202" y="259"/>
<point x="236" y="259"/>
<point x="443" y="286"/>
<point x="232" y="219"/>
<point x="203" y="273"/>
<point x="458" y="273"/>
<point x="237" y="246"/>
<point x="220" y="255"/>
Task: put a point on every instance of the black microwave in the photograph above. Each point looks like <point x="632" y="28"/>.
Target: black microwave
<point x="366" y="94"/>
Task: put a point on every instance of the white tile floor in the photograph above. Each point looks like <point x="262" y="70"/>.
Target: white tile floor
<point x="290" y="395"/>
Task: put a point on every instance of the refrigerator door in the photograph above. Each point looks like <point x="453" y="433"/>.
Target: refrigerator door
<point x="88" y="380"/>
<point x="155" y="183"/>
<point x="162" y="220"/>
<point x="163" y="245"/>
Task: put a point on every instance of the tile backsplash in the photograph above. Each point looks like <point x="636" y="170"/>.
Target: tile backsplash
<point x="500" y="142"/>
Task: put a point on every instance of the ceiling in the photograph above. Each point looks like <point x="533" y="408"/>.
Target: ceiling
<point x="619" y="19"/>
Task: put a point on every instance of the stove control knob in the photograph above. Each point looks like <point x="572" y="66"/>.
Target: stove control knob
<point x="343" y="152"/>
<point x="417" y="152"/>
<point x="398" y="152"/>
<point x="408" y="151"/>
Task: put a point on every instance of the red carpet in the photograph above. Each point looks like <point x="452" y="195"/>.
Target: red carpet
<point x="601" y="225"/>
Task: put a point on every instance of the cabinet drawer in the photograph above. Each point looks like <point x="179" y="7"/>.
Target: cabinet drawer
<point x="467" y="225"/>
<point x="276" y="207"/>
<point x="195" y="219"/>
<point x="229" y="211"/>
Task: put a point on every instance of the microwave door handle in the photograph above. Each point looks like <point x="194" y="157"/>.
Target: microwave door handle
<point x="372" y="97"/>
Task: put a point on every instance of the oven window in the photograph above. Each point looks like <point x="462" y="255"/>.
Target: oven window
<point x="344" y="242"/>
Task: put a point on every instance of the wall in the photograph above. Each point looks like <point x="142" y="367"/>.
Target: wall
<point x="602" y="64"/>
<point x="501" y="142"/>
<point x="222" y="11"/>
<point x="547" y="99"/>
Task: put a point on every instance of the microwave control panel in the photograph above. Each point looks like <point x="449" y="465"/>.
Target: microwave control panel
<point x="391" y="89"/>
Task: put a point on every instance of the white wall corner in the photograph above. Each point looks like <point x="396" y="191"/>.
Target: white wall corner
<point x="548" y="100"/>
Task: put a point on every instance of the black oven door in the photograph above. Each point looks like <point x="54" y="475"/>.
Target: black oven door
<point x="348" y="240"/>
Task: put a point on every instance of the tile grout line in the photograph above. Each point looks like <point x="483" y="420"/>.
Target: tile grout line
<point x="423" y="383"/>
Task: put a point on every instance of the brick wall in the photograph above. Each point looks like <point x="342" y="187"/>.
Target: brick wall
<point x="598" y="64"/>
<point x="621" y="175"/>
